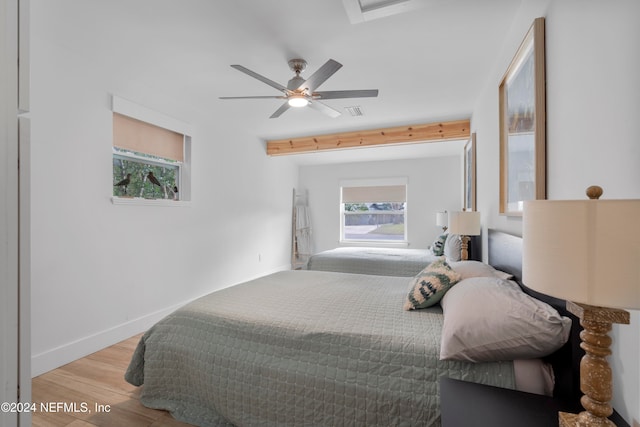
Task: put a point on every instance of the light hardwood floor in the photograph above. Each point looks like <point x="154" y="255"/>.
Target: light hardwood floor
<point x="97" y="379"/>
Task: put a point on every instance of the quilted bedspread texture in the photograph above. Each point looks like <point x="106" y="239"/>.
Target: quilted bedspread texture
<point x="378" y="261"/>
<point x="302" y="348"/>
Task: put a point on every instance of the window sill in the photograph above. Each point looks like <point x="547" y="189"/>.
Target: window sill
<point x="139" y="201"/>
<point x="375" y="243"/>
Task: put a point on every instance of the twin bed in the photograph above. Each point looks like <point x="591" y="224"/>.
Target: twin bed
<point x="376" y="261"/>
<point x="389" y="261"/>
<point x="320" y="348"/>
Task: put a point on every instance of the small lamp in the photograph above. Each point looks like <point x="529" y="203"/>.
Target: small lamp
<point x="442" y="220"/>
<point x="465" y="224"/>
<point x="588" y="253"/>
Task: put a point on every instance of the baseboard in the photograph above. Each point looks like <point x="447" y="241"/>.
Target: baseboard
<point x="59" y="356"/>
<point x="66" y="353"/>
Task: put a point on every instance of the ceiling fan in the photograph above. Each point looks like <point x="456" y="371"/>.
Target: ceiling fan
<point x="301" y="93"/>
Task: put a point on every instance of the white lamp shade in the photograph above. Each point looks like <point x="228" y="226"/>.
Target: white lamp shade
<point x="442" y="219"/>
<point x="585" y="251"/>
<point x="465" y="223"/>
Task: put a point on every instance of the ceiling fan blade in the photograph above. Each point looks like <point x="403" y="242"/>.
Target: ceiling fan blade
<point x="261" y="78"/>
<point x="323" y="108"/>
<point x="321" y="75"/>
<point x="284" y="107"/>
<point x="335" y="94"/>
<point x="252" y="97"/>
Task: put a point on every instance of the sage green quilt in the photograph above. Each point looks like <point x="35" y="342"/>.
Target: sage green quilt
<point x="378" y="261"/>
<point x="302" y="348"/>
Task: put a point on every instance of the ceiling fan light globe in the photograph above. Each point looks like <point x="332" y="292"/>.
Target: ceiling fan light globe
<point x="298" y="101"/>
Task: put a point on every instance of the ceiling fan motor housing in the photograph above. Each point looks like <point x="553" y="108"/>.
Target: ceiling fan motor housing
<point x="295" y="82"/>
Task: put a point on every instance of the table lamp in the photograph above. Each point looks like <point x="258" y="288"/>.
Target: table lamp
<point x="442" y="220"/>
<point x="464" y="224"/>
<point x="586" y="252"/>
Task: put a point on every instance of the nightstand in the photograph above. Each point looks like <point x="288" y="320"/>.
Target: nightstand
<point x="466" y="404"/>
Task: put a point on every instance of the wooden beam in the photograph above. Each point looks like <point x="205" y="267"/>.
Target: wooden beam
<point x="429" y="132"/>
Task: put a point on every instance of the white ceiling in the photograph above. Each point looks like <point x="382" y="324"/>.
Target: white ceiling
<point x="429" y="64"/>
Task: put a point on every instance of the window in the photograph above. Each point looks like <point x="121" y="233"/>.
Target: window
<point x="136" y="175"/>
<point x="150" y="156"/>
<point x="374" y="210"/>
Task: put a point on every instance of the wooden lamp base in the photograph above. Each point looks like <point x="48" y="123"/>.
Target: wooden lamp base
<point x="575" y="420"/>
<point x="595" y="373"/>
<point x="464" y="247"/>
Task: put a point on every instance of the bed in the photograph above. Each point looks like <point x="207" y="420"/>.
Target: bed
<point x="304" y="347"/>
<point x="385" y="261"/>
<point x="377" y="261"/>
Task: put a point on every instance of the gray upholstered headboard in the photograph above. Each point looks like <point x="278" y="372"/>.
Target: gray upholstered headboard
<point x="505" y="253"/>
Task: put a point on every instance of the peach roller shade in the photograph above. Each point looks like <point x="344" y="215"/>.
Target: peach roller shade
<point x="135" y="135"/>
<point x="374" y="194"/>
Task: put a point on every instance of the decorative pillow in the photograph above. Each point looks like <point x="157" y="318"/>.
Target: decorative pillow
<point x="469" y="269"/>
<point x="453" y="248"/>
<point x="491" y="319"/>
<point x="437" y="247"/>
<point x="428" y="286"/>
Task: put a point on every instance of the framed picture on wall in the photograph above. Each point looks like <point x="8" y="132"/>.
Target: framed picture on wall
<point x="470" y="174"/>
<point x="522" y="125"/>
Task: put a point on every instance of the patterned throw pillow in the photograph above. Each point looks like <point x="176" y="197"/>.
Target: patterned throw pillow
<point x="430" y="285"/>
<point x="438" y="245"/>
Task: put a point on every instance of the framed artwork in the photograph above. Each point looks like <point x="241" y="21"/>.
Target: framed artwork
<point x="470" y="174"/>
<point x="522" y="125"/>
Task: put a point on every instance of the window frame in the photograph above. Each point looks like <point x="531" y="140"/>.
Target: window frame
<point x="374" y="182"/>
<point x="130" y="109"/>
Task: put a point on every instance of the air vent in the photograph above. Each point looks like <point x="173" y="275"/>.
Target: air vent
<point x="356" y="110"/>
<point x="368" y="10"/>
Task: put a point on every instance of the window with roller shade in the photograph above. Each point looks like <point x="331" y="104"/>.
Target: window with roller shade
<point x="373" y="210"/>
<point x="148" y="160"/>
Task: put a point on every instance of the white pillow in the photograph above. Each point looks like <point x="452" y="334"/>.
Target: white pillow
<point x="453" y="247"/>
<point x="469" y="269"/>
<point x="491" y="319"/>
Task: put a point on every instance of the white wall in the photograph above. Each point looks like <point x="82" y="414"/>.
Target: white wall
<point x="434" y="184"/>
<point x="593" y="58"/>
<point x="103" y="272"/>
